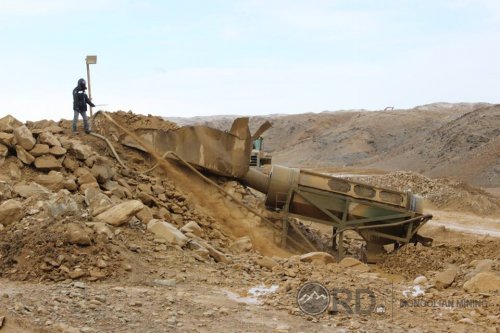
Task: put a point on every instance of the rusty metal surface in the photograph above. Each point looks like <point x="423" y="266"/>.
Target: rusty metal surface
<point x="221" y="152"/>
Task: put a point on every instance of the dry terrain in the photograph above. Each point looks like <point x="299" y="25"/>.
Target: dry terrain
<point x="89" y="245"/>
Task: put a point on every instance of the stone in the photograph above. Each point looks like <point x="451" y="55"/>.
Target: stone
<point x="102" y="171"/>
<point x="102" y="229"/>
<point x="14" y="171"/>
<point x="24" y="138"/>
<point x="39" y="150"/>
<point x="61" y="204"/>
<point x="119" y="214"/>
<point x="47" y="162"/>
<point x="146" y="199"/>
<point x="57" y="151"/>
<point x="167" y="231"/>
<point x="24" y="156"/>
<point x="445" y="278"/>
<point x="70" y="163"/>
<point x="78" y="235"/>
<point x="318" y="257"/>
<point x="355" y="264"/>
<point x="49" y="139"/>
<point x="81" y="151"/>
<point x="54" y="129"/>
<point x="70" y="184"/>
<point x="7" y="139"/>
<point x="483" y="265"/>
<point x="9" y="123"/>
<point x="199" y="249"/>
<point x="4" y="150"/>
<point x="84" y="187"/>
<point x="146" y="188"/>
<point x="420" y="280"/>
<point x="77" y="273"/>
<point x="31" y="190"/>
<point x="53" y="181"/>
<point x="157" y="189"/>
<point x="11" y="211"/>
<point x="86" y="178"/>
<point x="6" y="191"/>
<point x="192" y="227"/>
<point x="97" y="201"/>
<point x="266" y="262"/>
<point x="216" y="254"/>
<point x="483" y="282"/>
<point x="145" y="215"/>
<point x="243" y="244"/>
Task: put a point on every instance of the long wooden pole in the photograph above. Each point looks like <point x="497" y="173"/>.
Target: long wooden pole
<point x="90" y="90"/>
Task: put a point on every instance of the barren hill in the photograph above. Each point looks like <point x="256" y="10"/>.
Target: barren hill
<point x="438" y="140"/>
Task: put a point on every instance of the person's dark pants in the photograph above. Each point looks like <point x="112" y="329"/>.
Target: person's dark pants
<point x="86" y="124"/>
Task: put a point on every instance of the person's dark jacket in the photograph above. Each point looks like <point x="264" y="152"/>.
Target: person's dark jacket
<point x="80" y="99"/>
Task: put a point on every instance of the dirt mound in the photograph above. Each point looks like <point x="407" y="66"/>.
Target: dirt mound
<point x="135" y="121"/>
<point x="43" y="253"/>
<point x="442" y="193"/>
<point x="411" y="261"/>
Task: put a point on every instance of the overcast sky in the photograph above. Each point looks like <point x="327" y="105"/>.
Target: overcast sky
<point x="193" y="58"/>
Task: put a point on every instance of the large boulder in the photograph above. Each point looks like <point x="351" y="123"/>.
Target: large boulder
<point x="193" y="228"/>
<point x="445" y="278"/>
<point x="145" y="214"/>
<point x="86" y="178"/>
<point x="57" y="151"/>
<point x="97" y="201"/>
<point x="61" y="204"/>
<point x="7" y="139"/>
<point x="119" y="214"/>
<point x="78" y="235"/>
<point x="483" y="265"/>
<point x="9" y="123"/>
<point x="54" y="181"/>
<point x="319" y="257"/>
<point x="167" y="231"/>
<point x="11" y="211"/>
<point x="102" y="171"/>
<point x="4" y="151"/>
<point x="23" y="155"/>
<point x="39" y="149"/>
<point x="81" y="151"/>
<point x="483" y="282"/>
<point x="24" y="138"/>
<point x="31" y="190"/>
<point x="49" y="139"/>
<point x="47" y="162"/>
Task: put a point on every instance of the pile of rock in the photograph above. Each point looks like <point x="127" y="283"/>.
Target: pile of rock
<point x="56" y="184"/>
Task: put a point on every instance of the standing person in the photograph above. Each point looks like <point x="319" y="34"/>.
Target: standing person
<point x="80" y="101"/>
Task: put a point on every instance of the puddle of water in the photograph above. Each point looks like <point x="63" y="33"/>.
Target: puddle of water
<point x="262" y="290"/>
<point x="254" y="291"/>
